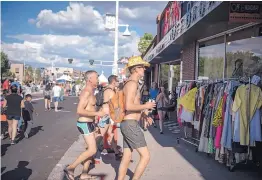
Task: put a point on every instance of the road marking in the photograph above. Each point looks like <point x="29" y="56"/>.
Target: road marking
<point x="63" y="111"/>
<point x="37" y="99"/>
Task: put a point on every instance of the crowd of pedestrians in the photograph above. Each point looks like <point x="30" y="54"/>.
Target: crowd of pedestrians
<point x="119" y="104"/>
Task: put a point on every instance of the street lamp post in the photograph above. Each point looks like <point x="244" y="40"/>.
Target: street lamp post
<point x="115" y="65"/>
<point x="110" y="21"/>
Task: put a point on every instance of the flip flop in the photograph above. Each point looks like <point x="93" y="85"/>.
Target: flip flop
<point x="89" y="178"/>
<point x="68" y="174"/>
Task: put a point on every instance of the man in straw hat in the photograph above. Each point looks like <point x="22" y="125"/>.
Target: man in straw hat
<point x="133" y="136"/>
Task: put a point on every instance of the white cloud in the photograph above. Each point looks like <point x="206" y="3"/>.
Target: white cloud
<point x="78" y="32"/>
<point x="84" y="19"/>
<point x="76" y="19"/>
<point x="42" y="48"/>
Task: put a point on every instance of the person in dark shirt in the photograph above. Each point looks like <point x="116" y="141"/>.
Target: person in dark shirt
<point x="14" y="104"/>
<point x="28" y="111"/>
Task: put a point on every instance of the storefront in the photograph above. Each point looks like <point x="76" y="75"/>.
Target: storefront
<point x="210" y="40"/>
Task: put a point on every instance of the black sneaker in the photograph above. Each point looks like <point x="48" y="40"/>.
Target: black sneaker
<point x="161" y="132"/>
<point x="13" y="142"/>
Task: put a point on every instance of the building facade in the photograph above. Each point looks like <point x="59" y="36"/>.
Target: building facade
<point x="18" y="70"/>
<point x="205" y="39"/>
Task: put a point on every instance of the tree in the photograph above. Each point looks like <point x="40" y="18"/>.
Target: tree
<point x="38" y="77"/>
<point x="4" y="64"/>
<point x="144" y="42"/>
<point x="29" y="74"/>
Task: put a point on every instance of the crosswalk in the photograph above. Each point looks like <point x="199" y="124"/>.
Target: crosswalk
<point x="172" y="126"/>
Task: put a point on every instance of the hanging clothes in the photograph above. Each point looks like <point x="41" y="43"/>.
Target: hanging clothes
<point x="240" y="103"/>
<point x="188" y="100"/>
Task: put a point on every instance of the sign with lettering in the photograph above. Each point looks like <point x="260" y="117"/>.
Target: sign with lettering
<point x="170" y="16"/>
<point x="245" y="12"/>
<point x="199" y="10"/>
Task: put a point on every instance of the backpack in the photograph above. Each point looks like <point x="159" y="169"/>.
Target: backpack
<point x="117" y="106"/>
<point x="100" y="96"/>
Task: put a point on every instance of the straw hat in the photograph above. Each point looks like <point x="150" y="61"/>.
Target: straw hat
<point x="136" y="61"/>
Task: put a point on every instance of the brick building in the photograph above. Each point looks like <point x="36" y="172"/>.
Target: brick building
<point x="204" y="39"/>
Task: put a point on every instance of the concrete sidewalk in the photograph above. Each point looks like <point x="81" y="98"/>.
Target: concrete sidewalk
<point x="169" y="161"/>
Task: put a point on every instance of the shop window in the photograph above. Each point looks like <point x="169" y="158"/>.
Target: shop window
<point x="243" y="53"/>
<point x="164" y="75"/>
<point x="164" y="70"/>
<point x="211" y="58"/>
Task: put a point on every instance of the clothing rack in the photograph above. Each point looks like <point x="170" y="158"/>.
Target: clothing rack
<point x="193" y="141"/>
<point x="246" y="162"/>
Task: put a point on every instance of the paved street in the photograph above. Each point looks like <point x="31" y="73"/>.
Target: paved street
<point x="56" y="143"/>
<point x="53" y="134"/>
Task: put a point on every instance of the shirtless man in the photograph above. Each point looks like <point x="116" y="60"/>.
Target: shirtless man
<point x="85" y="124"/>
<point x="104" y="123"/>
<point x="133" y="136"/>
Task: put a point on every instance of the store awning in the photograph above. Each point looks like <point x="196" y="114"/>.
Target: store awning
<point x="183" y="33"/>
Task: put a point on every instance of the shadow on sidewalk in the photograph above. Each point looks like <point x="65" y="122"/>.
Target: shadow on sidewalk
<point x="207" y="166"/>
<point x="21" y="172"/>
<point x="110" y="159"/>
<point x="33" y="132"/>
<point x="4" y="148"/>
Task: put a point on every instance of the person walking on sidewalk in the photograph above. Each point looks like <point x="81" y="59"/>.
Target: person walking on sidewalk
<point x="14" y="103"/>
<point x="85" y="124"/>
<point x="161" y="101"/>
<point x="132" y="134"/>
<point x="56" y="93"/>
<point x="47" y="96"/>
<point x="104" y="124"/>
<point x="28" y="111"/>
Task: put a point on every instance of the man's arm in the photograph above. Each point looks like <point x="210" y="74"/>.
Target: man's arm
<point x="130" y="94"/>
<point x="82" y="105"/>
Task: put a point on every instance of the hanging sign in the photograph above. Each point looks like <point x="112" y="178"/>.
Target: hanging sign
<point x="110" y="22"/>
<point x="199" y="10"/>
<point x="245" y="12"/>
<point x="170" y="16"/>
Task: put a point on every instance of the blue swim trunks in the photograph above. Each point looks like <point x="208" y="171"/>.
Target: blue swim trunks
<point x="85" y="128"/>
<point x="104" y="121"/>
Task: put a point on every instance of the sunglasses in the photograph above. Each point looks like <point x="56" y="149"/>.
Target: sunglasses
<point x="141" y="67"/>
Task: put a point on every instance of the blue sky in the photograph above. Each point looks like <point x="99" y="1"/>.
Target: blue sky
<point x="40" y="31"/>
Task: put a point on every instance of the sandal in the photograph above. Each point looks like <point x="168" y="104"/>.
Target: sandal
<point x="69" y="175"/>
<point x="88" y="178"/>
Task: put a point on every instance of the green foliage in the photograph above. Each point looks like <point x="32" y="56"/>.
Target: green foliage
<point x="4" y="63"/>
<point x="5" y="67"/>
<point x="144" y="42"/>
<point x="38" y="74"/>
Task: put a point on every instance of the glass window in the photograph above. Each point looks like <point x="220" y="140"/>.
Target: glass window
<point x="164" y="70"/>
<point x="211" y="59"/>
<point x="16" y="70"/>
<point x="243" y="53"/>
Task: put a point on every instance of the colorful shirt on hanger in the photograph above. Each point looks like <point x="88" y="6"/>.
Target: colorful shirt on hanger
<point x="240" y="102"/>
<point x="188" y="100"/>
